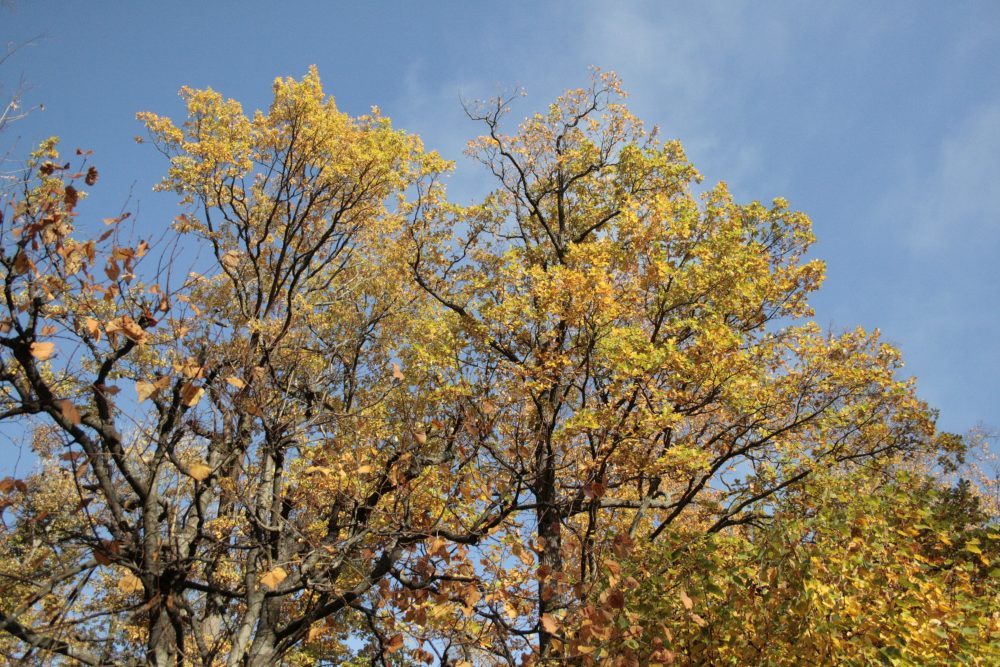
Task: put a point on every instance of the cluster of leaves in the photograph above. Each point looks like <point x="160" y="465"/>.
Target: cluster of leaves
<point x="585" y="420"/>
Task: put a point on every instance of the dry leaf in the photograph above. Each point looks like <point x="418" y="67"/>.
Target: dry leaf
<point x="236" y="382"/>
<point x="274" y="578"/>
<point x="130" y="584"/>
<point x="69" y="411"/>
<point x="42" y="351"/>
<point x="549" y="623"/>
<point x="129" y="327"/>
<point x="394" y="644"/>
<point x="231" y="260"/>
<point x="397" y="372"/>
<point x="191" y="394"/>
<point x="93" y="327"/>
<point x="315" y="632"/>
<point x="144" y="390"/>
<point x="199" y="471"/>
<point x="686" y="601"/>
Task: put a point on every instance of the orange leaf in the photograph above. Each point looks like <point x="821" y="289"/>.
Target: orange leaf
<point x="397" y="372"/>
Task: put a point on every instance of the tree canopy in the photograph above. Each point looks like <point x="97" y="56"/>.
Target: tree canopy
<point x="330" y="416"/>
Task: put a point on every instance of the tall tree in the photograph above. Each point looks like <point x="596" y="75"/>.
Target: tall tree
<point x="650" y="357"/>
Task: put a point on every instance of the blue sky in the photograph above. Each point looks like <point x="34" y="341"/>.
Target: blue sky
<point x="880" y="120"/>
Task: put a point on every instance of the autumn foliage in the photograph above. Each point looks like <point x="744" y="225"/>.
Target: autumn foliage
<point x="330" y="416"/>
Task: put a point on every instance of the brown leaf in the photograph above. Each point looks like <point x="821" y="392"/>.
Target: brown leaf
<point x="274" y="578"/>
<point x="394" y="643"/>
<point x="69" y="411"/>
<point x="397" y="372"/>
<point x="42" y="351"/>
<point x="616" y="599"/>
<point x="22" y="264"/>
<point x="199" y="471"/>
<point x="686" y="601"/>
<point x="91" y="177"/>
<point x="70" y="196"/>
<point x="112" y="271"/>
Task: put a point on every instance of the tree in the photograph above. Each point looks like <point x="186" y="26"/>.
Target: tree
<point x="366" y="423"/>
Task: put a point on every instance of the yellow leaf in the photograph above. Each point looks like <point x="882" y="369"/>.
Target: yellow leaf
<point x="42" y="351"/>
<point x="236" y="382"/>
<point x="274" y="578"/>
<point x="199" y="471"/>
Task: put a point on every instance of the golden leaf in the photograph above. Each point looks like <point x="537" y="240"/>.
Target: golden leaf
<point x="274" y="578"/>
<point x="42" y="351"/>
